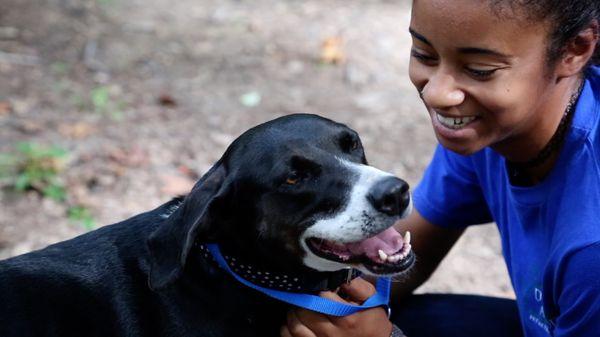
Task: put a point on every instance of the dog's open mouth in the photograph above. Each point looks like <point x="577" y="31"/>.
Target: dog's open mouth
<point x="383" y="254"/>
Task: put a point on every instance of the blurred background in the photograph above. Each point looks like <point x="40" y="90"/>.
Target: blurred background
<point x="109" y="108"/>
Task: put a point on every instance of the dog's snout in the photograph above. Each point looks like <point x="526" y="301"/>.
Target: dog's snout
<point x="389" y="196"/>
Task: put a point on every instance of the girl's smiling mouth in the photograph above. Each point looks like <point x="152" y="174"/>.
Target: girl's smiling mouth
<point x="455" y="128"/>
<point x="454" y="122"/>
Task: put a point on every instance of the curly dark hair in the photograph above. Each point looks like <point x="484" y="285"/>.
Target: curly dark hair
<point x="567" y="18"/>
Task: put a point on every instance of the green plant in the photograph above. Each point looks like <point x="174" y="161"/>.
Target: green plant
<point x="34" y="167"/>
<point x="59" y="68"/>
<point x="100" y="99"/>
<point x="102" y="102"/>
<point x="106" y="3"/>
<point x="82" y="215"/>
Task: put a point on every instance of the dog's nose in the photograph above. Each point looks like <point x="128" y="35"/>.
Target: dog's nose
<point x="389" y="195"/>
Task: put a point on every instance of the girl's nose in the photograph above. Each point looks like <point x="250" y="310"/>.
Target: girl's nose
<point x="441" y="91"/>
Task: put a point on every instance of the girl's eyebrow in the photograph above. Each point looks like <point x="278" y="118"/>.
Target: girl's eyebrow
<point x="474" y="50"/>
<point x="419" y="36"/>
<point x="462" y="50"/>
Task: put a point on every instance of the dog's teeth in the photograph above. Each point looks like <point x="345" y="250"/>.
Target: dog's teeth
<point x="407" y="238"/>
<point x="382" y="255"/>
<point x="395" y="258"/>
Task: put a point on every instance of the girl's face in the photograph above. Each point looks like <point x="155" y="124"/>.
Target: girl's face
<point x="483" y="78"/>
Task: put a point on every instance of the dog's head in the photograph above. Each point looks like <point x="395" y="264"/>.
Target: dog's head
<point x="294" y="193"/>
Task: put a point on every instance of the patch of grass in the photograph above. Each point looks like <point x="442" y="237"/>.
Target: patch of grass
<point x="83" y="216"/>
<point x="103" y="103"/>
<point x="105" y="3"/>
<point x="100" y="99"/>
<point x="59" y="68"/>
<point x="34" y="167"/>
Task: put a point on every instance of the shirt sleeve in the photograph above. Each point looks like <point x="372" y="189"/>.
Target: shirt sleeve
<point x="450" y="195"/>
<point x="579" y="294"/>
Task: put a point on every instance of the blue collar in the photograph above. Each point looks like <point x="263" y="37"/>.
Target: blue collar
<point x="307" y="301"/>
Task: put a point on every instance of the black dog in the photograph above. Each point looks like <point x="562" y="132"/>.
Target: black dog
<point x="292" y="204"/>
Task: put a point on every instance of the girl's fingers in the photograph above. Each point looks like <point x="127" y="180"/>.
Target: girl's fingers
<point x="285" y="332"/>
<point x="358" y="291"/>
<point x="296" y="327"/>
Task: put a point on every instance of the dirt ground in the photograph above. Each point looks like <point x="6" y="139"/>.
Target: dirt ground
<point x="144" y="95"/>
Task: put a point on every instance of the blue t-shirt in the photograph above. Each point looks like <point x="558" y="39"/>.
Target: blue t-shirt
<point x="550" y="232"/>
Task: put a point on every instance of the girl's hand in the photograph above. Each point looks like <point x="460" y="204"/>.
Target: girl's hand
<point x="367" y="323"/>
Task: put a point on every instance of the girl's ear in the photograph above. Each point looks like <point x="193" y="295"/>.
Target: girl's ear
<point x="579" y="51"/>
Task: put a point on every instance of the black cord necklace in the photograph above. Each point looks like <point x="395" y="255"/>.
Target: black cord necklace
<point x="517" y="172"/>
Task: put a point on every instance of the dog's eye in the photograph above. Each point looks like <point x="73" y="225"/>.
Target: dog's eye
<point x="301" y="169"/>
<point x="293" y="178"/>
<point x="349" y="143"/>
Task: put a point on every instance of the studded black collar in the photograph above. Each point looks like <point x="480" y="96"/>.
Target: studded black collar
<point x="297" y="283"/>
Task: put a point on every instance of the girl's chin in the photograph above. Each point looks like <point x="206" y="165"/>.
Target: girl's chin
<point x="462" y="149"/>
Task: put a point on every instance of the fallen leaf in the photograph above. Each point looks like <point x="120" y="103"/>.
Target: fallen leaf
<point x="5" y="108"/>
<point x="31" y="127"/>
<point x="77" y="130"/>
<point x="188" y="172"/>
<point x="332" y="51"/>
<point x="133" y="157"/>
<point x="175" y="185"/>
<point x="167" y="100"/>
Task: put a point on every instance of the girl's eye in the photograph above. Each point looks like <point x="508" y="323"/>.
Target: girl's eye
<point x="422" y="57"/>
<point x="481" y="74"/>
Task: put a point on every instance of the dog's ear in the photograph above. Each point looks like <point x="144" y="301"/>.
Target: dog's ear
<point x="170" y="244"/>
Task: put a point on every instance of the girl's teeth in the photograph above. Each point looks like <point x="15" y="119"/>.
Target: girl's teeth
<point x="454" y="122"/>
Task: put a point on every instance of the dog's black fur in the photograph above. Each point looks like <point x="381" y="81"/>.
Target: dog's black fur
<point x="145" y="277"/>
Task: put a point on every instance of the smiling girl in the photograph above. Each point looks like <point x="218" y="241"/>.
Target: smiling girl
<point x="513" y="92"/>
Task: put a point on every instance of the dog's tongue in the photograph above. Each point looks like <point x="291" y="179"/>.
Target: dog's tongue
<point x="390" y="241"/>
